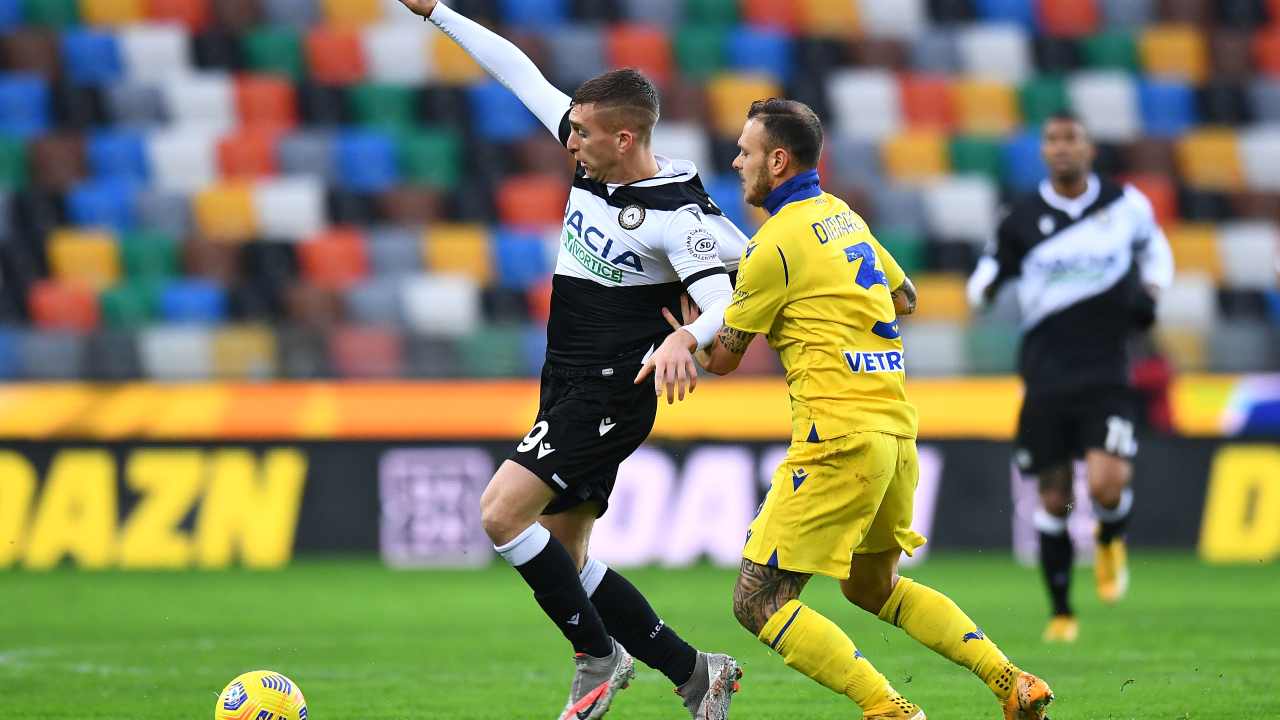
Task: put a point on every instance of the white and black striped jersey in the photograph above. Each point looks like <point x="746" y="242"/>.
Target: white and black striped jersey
<point x="1083" y="265"/>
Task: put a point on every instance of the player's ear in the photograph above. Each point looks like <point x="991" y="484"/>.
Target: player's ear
<point x="625" y="139"/>
<point x="779" y="159"/>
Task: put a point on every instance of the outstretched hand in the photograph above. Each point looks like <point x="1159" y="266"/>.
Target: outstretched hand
<point x="420" y="7"/>
<point x="672" y="364"/>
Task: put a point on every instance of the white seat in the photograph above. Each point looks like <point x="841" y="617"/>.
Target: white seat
<point x="290" y="208"/>
<point x="996" y="51"/>
<point x="1190" y="302"/>
<point x="1107" y="103"/>
<point x="893" y="18"/>
<point x="962" y="209"/>
<point x="687" y="141"/>
<point x="398" y="51"/>
<point x="153" y="52"/>
<point x="176" y="352"/>
<point x="203" y="100"/>
<point x="182" y="160"/>
<point x="867" y="103"/>
<point x="441" y="305"/>
<point x="1249" y="254"/>
<point x="933" y="348"/>
<point x="1260" y="155"/>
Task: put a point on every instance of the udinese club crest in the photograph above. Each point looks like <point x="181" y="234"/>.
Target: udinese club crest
<point x="631" y="217"/>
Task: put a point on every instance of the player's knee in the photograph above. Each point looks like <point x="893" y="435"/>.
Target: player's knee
<point x="868" y="593"/>
<point x="498" y="523"/>
<point x="1056" y="503"/>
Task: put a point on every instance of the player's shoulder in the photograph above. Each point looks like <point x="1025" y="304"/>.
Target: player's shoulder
<point x="676" y="187"/>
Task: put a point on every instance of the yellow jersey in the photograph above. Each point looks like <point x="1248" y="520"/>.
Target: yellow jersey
<point x="816" y="282"/>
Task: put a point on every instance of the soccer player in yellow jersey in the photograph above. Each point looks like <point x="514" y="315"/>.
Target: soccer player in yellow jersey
<point x="827" y="295"/>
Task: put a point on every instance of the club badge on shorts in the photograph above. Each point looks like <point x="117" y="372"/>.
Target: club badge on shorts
<point x="631" y="217"/>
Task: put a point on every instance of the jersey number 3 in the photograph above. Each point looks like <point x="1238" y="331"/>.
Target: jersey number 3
<point x="869" y="276"/>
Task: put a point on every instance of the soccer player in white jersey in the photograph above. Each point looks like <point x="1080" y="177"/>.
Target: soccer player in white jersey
<point x="639" y="230"/>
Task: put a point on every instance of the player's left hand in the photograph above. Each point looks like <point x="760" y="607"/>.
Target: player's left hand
<point x="672" y="364"/>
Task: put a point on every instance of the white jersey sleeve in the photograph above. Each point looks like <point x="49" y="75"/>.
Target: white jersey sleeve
<point x="695" y="256"/>
<point x="1153" y="254"/>
<point x="507" y="65"/>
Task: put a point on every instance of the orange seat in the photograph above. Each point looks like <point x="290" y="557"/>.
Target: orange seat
<point x="225" y="212"/>
<point x="777" y="14"/>
<point x="335" y="259"/>
<point x="1195" y="248"/>
<point x="642" y="47"/>
<point x="352" y="12"/>
<point x="986" y="107"/>
<point x="459" y="250"/>
<point x="824" y="18"/>
<point x="90" y="257"/>
<point x="532" y="200"/>
<point x="916" y="156"/>
<point x="1175" y="51"/>
<point x="947" y="299"/>
<point x="248" y="154"/>
<point x="112" y="12"/>
<point x="1209" y="159"/>
<point x="63" y="306"/>
<point x="729" y="95"/>
<point x="366" y="352"/>
<point x="927" y="102"/>
<point x="1069" y="18"/>
<point x="335" y="56"/>
<point x="266" y="100"/>
<point x="1160" y="191"/>
<point x="194" y="14"/>
<point x="539" y="300"/>
<point x="1266" y="50"/>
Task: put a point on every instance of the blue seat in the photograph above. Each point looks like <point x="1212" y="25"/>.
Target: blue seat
<point x="193" y="301"/>
<point x="520" y="258"/>
<point x="534" y="349"/>
<point x="309" y="152"/>
<point x="118" y="155"/>
<point x="498" y="114"/>
<point x="1273" y="306"/>
<point x="24" y="104"/>
<point x="10" y="14"/>
<point x="542" y="14"/>
<point x="936" y="51"/>
<point x="1023" y="165"/>
<point x="91" y="57"/>
<point x="108" y="203"/>
<point x="755" y="50"/>
<point x="1022" y="12"/>
<point x="10" y="363"/>
<point x="1168" y="107"/>
<point x="366" y="161"/>
<point x="726" y="191"/>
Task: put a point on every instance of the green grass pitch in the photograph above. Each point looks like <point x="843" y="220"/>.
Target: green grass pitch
<point x="366" y="643"/>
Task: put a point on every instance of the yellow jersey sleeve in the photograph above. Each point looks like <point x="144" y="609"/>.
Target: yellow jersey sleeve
<point x="893" y="273"/>
<point x="761" y="289"/>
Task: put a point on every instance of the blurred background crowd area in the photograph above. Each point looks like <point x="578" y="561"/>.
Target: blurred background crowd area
<point x="263" y="189"/>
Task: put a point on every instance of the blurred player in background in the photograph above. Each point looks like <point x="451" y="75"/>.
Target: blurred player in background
<point x="639" y="231"/>
<point x="1091" y="261"/>
<point x="827" y="295"/>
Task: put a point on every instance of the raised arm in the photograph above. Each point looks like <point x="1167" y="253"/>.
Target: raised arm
<point x="500" y="59"/>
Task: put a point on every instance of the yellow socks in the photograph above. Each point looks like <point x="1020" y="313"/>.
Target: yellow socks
<point x="817" y="647"/>
<point x="934" y="621"/>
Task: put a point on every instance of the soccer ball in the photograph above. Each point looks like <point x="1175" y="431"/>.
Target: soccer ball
<point x="261" y="695"/>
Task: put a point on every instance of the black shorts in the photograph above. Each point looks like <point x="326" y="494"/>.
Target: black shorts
<point x="586" y="426"/>
<point x="1055" y="429"/>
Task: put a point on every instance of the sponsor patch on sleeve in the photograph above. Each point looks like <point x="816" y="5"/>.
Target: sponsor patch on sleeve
<point x="701" y="244"/>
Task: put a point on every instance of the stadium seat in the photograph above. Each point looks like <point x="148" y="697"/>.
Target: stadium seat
<point x="946" y="298"/>
<point x="777" y="15"/>
<point x="532" y="200"/>
<point x="128" y="305"/>
<point x="51" y="13"/>
<point x="499" y="115"/>
<point x="1196" y="246"/>
<point x="225" y="212"/>
<point x="906" y="247"/>
<point x="152" y="53"/>
<point x="176" y="352"/>
<point x="394" y="251"/>
<point x="13" y="163"/>
<point x="1127" y="13"/>
<point x="182" y="160"/>
<point x="1231" y="55"/>
<point x="576" y="53"/>
<point x="1260" y="155"/>
<point x="1041" y="97"/>
<point x="265" y="101"/>
<point x="903" y="19"/>
<point x="1015" y="12"/>
<point x="700" y="50"/>
<point x="203" y="101"/>
<point x="936" y="348"/>
<point x="375" y="301"/>
<point x="385" y="106"/>
<point x="866" y="103"/>
<point x="999" y="52"/>
<point x="685" y="140"/>
<point x="307" y="153"/>
<point x="112" y="12"/>
<point x="1266" y="51"/>
<point x="275" y="50"/>
<point x="762" y="52"/>
<point x="52" y="355"/>
<point x="401" y="53"/>
<point x="135" y="105"/>
<point x="985" y="107"/>
<point x="248" y="154"/>
<point x="244" y="352"/>
<point x="60" y="305"/>
<point x="57" y="161"/>
<point x="334" y="55"/>
<point x="366" y="352"/>
<point x="31" y="50"/>
<point x="962" y="209"/>
<point x="109" y="204"/>
<point x="10" y="362"/>
<point x="1168" y="107"/>
<point x="711" y="12"/>
<point x="216" y="50"/>
<point x="855" y="162"/>
<point x="165" y="212"/>
<point x="453" y="65"/>
<point x="351" y="12"/>
<point x="194" y="15"/>
<point x="289" y="208"/>
<point x="1190" y="302"/>
<point x="1209" y="159"/>
<point x="366" y="161"/>
<point x="334" y="259"/>
<point x="148" y="254"/>
<point x="644" y="47"/>
<point x="462" y="250"/>
<point x="992" y="347"/>
<point x="441" y="305"/>
<point x="1160" y="191"/>
<point x="1174" y="51"/>
<point x="977" y="155"/>
<point x="1056" y="55"/>
<point x="1241" y="347"/>
<point x="24" y="104"/>
<point x="91" y="57"/>
<point x="730" y="95"/>
<point x="193" y="300"/>
<point x="1068" y="18"/>
<point x="1107" y="102"/>
<point x="10" y="15"/>
<point x="411" y="205"/>
<point x="898" y="208"/>
<point x="1110" y="50"/>
<point x="915" y="156"/>
<point x="495" y="351"/>
<point x="520" y="258"/>
<point x="85" y="256"/>
<point x="927" y="101"/>
<point x="1250" y="254"/>
<point x="534" y="14"/>
<point x="117" y="155"/>
<point x="936" y="51"/>
<point x="294" y="13"/>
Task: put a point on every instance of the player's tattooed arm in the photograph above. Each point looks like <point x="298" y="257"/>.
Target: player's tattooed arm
<point x="723" y="355"/>
<point x="761" y="591"/>
<point x="734" y="340"/>
<point x="904" y="298"/>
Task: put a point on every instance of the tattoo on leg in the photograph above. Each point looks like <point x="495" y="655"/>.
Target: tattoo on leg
<point x="761" y="590"/>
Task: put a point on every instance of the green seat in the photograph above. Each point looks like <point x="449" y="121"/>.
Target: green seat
<point x="906" y="247"/>
<point x="710" y="12"/>
<point x="992" y="347"/>
<point x="431" y="157"/>
<point x="699" y="50"/>
<point x="494" y="351"/>
<point x="274" y="50"/>
<point x="1110" y="50"/>
<point x="1041" y="97"/>
<point x="13" y="163"/>
<point x="972" y="155"/>
<point x="383" y="105"/>
<point x="51" y="13"/>
<point x="149" y="255"/>
<point x="129" y="305"/>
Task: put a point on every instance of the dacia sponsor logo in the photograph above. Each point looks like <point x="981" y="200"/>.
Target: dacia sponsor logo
<point x="874" y="362"/>
<point x="1074" y="269"/>
<point x="595" y="251"/>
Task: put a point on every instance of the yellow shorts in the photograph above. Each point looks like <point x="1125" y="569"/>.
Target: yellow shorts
<point x="833" y="499"/>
